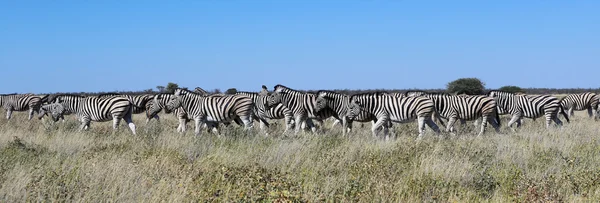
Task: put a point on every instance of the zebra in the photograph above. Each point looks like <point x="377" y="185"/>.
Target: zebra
<point x="158" y="103"/>
<point x="96" y="109"/>
<point x="528" y="106"/>
<point x="217" y="109"/>
<point x="339" y="103"/>
<point x="387" y="108"/>
<point x="140" y="102"/>
<point x="302" y="106"/>
<point x="20" y="102"/>
<point x="261" y="113"/>
<point x="466" y="108"/>
<point x="579" y="102"/>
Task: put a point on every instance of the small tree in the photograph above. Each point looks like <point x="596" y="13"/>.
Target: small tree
<point x="231" y="91"/>
<point x="470" y="86"/>
<point x="217" y="91"/>
<point x="511" y="89"/>
<point x="171" y="87"/>
<point x="160" y="88"/>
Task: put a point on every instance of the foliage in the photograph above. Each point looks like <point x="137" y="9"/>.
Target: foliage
<point x="160" y="88"/>
<point x="171" y="87"/>
<point x="231" y="91"/>
<point x="470" y="86"/>
<point x="512" y="89"/>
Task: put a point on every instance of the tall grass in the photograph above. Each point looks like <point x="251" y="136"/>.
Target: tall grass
<point x="43" y="162"/>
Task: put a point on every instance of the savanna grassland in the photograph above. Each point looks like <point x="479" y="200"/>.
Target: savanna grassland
<point x="43" y="162"/>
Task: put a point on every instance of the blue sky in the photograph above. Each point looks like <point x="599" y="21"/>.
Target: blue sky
<point x="73" y="46"/>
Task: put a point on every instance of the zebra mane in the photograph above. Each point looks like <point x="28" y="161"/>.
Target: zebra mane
<point x="500" y="91"/>
<point x="53" y="98"/>
<point x="8" y="94"/>
<point x="108" y="94"/>
<point x="201" y="91"/>
<point x="190" y="92"/>
<point x="244" y="92"/>
<point x="377" y="93"/>
<point x="289" y="89"/>
<point x="328" y="92"/>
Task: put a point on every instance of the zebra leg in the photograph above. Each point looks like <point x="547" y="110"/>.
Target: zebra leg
<point x="310" y="123"/>
<point x="336" y="122"/>
<point x="30" y="114"/>
<point x="289" y="123"/>
<point x="432" y="125"/>
<point x="555" y="119"/>
<point x="571" y="112"/>
<point x="299" y="124"/>
<point x="247" y="121"/>
<point x="515" y="118"/>
<point x="198" y="125"/>
<point x="116" y="121"/>
<point x="8" y="114"/>
<point x="450" y="125"/>
<point x="590" y="114"/>
<point x="129" y="122"/>
<point x="483" y="124"/>
<point x="182" y="125"/>
<point x="379" y="124"/>
<point x="494" y="123"/>
<point x="421" y="126"/>
<point x="85" y="123"/>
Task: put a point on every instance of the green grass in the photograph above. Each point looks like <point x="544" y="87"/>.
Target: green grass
<point x="43" y="162"/>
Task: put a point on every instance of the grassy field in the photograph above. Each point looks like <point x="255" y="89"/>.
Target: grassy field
<point x="43" y="162"/>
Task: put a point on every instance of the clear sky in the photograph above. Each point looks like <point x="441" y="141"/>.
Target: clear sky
<point x="73" y="46"/>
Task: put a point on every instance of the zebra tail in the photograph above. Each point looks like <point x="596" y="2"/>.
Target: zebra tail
<point x="497" y="116"/>
<point x="562" y="111"/>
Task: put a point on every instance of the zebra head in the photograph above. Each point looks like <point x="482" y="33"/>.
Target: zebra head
<point x="354" y="109"/>
<point x="56" y="111"/>
<point x="155" y="106"/>
<point x="274" y="98"/>
<point x="321" y="101"/>
<point x="175" y="101"/>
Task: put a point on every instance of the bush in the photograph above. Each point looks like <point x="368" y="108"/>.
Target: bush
<point x="470" y="86"/>
<point x="511" y="89"/>
<point x="231" y="91"/>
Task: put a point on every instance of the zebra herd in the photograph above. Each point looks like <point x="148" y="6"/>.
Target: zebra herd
<point x="304" y="110"/>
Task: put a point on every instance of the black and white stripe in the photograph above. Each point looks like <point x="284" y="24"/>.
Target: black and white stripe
<point x="528" y="106"/>
<point x="158" y="103"/>
<point x="139" y="101"/>
<point x="302" y="106"/>
<point x="20" y="102"/>
<point x="579" y="102"/>
<point x="466" y="108"/>
<point x="96" y="109"/>
<point x="220" y="109"/>
<point x="339" y="103"/>
<point x="262" y="113"/>
<point x="387" y="108"/>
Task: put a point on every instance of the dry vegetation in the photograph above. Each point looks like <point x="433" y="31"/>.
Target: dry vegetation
<point x="42" y="162"/>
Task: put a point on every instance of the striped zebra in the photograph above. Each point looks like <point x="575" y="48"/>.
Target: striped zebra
<point x="20" y="102"/>
<point x="580" y="102"/>
<point x="466" y="108"/>
<point x="262" y="114"/>
<point x="528" y="106"/>
<point x="139" y="101"/>
<point x="95" y="109"/>
<point x="387" y="108"/>
<point x="217" y="109"/>
<point x="339" y="103"/>
<point x="302" y="106"/>
<point x="158" y="103"/>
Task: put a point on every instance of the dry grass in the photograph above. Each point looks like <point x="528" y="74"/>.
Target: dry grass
<point x="42" y="162"/>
